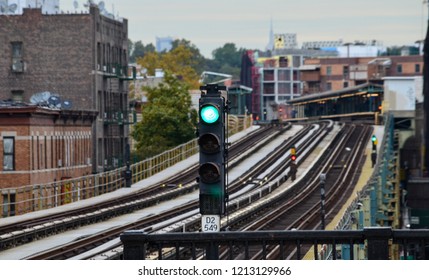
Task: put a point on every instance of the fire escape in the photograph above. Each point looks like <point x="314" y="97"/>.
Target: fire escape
<point x="256" y="94"/>
<point x="117" y="115"/>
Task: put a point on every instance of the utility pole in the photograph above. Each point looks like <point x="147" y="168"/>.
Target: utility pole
<point x="426" y="95"/>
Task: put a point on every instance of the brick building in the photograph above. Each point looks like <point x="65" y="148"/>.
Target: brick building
<point x="279" y="82"/>
<point x="81" y="58"/>
<point x="332" y="74"/>
<point x="42" y="145"/>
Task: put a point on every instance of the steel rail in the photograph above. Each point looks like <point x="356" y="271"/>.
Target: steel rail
<point x="141" y="224"/>
<point x="309" y="219"/>
<point x="28" y="230"/>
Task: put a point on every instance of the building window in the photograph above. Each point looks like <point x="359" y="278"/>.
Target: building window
<point x="399" y="68"/>
<point x="328" y="86"/>
<point x="17" y="61"/>
<point x="329" y="70"/>
<point x="8" y="153"/>
<point x="346" y="72"/>
<point x="18" y="95"/>
<point x="417" y="68"/>
<point x="345" y="84"/>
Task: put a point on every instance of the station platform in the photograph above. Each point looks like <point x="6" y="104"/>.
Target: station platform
<point x="365" y="175"/>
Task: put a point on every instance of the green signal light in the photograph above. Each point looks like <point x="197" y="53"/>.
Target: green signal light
<point x="209" y="114"/>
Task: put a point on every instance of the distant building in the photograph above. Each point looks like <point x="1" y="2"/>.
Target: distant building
<point x="401" y="94"/>
<point x="164" y="44"/>
<point x="344" y="49"/>
<point x="285" y="41"/>
<point x="289" y="73"/>
<point x="270" y="45"/>
<point x="81" y="58"/>
<point x="331" y="74"/>
<point x="322" y="44"/>
<point x="274" y="81"/>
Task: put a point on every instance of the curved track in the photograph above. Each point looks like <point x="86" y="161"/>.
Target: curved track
<point x="80" y="245"/>
<point x="274" y="160"/>
<point x="262" y="180"/>
<point x="304" y="210"/>
<point x="33" y="229"/>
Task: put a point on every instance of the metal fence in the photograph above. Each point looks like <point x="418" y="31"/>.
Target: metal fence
<point x="365" y="209"/>
<point x="413" y="244"/>
<point x="364" y="241"/>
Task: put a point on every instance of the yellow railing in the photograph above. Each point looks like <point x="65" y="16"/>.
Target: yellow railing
<point x="21" y="200"/>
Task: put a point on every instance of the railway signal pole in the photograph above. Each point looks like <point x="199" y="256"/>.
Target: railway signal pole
<point x="213" y="151"/>
<point x="374" y="150"/>
<point x="211" y="131"/>
<point x="293" y="167"/>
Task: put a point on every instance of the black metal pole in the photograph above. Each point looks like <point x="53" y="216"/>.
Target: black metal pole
<point x="426" y="98"/>
<point x="212" y="251"/>
<point x="128" y="173"/>
<point x="322" y="199"/>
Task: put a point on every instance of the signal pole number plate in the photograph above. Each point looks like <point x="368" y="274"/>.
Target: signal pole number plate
<point x="210" y="223"/>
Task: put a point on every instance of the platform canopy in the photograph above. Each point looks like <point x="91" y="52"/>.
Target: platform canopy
<point x="345" y="92"/>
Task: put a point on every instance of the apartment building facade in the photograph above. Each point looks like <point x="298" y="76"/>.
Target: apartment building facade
<point x="41" y="145"/>
<point x="280" y="81"/>
<point x="332" y="74"/>
<point x="80" y="58"/>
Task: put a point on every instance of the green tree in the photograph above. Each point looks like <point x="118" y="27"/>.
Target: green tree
<point x="199" y="62"/>
<point x="227" y="60"/>
<point x="180" y="61"/>
<point x="168" y="119"/>
<point x="228" y="54"/>
<point x="138" y="50"/>
<point x="397" y="50"/>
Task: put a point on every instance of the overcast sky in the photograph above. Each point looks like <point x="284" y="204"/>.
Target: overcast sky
<point x="211" y="24"/>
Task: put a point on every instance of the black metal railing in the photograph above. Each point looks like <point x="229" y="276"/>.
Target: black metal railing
<point x="377" y="243"/>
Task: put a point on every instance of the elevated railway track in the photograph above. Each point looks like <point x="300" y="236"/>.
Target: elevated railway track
<point x="244" y="192"/>
<point x="27" y="230"/>
<point x="145" y="223"/>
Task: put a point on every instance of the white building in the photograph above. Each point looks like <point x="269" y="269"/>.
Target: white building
<point x="356" y="49"/>
<point x="402" y="93"/>
<point x="164" y="43"/>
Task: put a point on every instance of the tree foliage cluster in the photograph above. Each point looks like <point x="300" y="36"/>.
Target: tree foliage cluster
<point x="167" y="119"/>
<point x="184" y="59"/>
<point x="397" y="50"/>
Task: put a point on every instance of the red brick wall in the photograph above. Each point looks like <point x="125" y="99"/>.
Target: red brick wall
<point x="65" y="54"/>
<point x="40" y="142"/>
<point x="337" y="79"/>
<point x="57" y="52"/>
